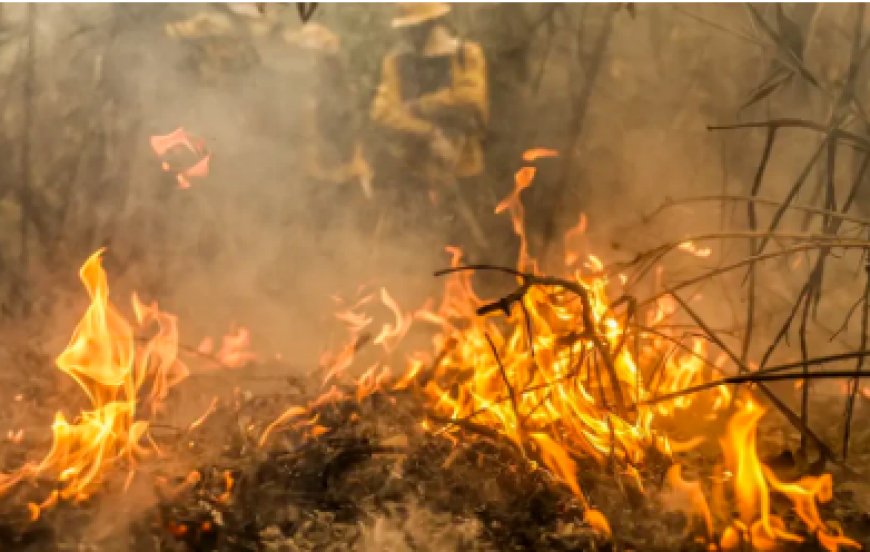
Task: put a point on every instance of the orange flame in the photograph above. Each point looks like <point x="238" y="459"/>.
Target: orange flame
<point x="753" y="482"/>
<point x="546" y="374"/>
<point x="118" y="378"/>
<point x="691" y="248"/>
<point x="235" y="350"/>
<point x="179" y="138"/>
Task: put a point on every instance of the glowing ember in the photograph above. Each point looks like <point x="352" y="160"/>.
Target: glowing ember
<point x="690" y="247"/>
<point x="120" y="381"/>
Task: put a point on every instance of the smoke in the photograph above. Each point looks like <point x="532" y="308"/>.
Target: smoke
<point x="414" y="527"/>
<point x="261" y="244"/>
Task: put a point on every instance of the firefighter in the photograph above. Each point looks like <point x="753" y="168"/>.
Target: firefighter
<point x="432" y="106"/>
<point x="333" y="154"/>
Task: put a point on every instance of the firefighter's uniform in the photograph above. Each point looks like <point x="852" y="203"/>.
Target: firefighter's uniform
<point x="441" y="89"/>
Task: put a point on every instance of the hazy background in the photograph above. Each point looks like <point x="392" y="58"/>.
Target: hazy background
<point x="624" y="91"/>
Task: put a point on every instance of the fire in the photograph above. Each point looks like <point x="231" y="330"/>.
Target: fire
<point x="235" y="350"/>
<point x="120" y="380"/>
<point x="693" y="502"/>
<point x="753" y="483"/>
<point x="572" y="240"/>
<point x="530" y="376"/>
<point x="561" y="371"/>
<point x="691" y="248"/>
<point x="180" y="141"/>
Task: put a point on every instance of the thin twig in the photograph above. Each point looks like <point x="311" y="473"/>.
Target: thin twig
<point x="754" y="377"/>
<point x="853" y="139"/>
<point x="507" y="383"/>
<point x="805" y="390"/>
<point x="855" y="383"/>
<point x="670" y="203"/>
<point x="753" y="245"/>
<point x="589" y="328"/>
<point x="843" y="244"/>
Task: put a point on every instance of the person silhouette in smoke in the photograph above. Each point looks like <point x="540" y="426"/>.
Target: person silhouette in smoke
<point x="432" y="107"/>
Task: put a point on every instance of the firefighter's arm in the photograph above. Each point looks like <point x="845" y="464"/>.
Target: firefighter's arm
<point x="388" y="108"/>
<point x="468" y="94"/>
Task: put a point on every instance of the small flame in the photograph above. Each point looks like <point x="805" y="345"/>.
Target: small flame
<point x="235" y="350"/>
<point x="179" y="139"/>
<point x="572" y="241"/>
<point x="694" y="503"/>
<point x="690" y="247"/>
<point x="212" y="407"/>
<point x="538" y="153"/>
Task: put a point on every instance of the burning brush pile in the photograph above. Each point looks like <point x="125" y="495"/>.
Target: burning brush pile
<point x="562" y="414"/>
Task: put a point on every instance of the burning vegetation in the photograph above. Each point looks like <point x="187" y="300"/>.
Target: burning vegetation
<point x="652" y="389"/>
<point x="555" y="379"/>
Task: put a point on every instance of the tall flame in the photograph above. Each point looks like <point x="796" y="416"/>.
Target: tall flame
<point x="119" y="379"/>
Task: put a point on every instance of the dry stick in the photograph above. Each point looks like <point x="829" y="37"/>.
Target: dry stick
<point x="855" y="140"/>
<point x="847" y="92"/>
<point x="756" y="378"/>
<point x="855" y="383"/>
<point x="805" y="394"/>
<point x="738" y="34"/>
<point x="528" y="320"/>
<point x="786" y="325"/>
<point x="507" y="383"/>
<point x="848" y="318"/>
<point x="758" y="201"/>
<point x="786" y="53"/>
<point x="841" y="244"/>
<point x="630" y="314"/>
<point x="847" y="204"/>
<point x="657" y="369"/>
<point x="859" y="178"/>
<point x="574" y="372"/>
<point x="653" y="256"/>
<point x="799" y="183"/>
<point x="529" y="280"/>
<point x="753" y="246"/>
<point x="845" y="244"/>
<point x="814" y="293"/>
<point x="768" y="373"/>
<point x="865" y="318"/>
<point x="799" y="423"/>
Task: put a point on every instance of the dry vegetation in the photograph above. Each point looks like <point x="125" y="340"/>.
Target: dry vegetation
<point x="741" y="128"/>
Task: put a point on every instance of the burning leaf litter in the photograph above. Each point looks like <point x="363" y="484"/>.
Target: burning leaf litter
<point x="535" y="408"/>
